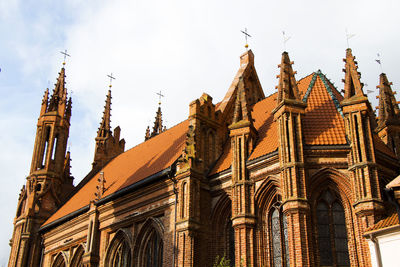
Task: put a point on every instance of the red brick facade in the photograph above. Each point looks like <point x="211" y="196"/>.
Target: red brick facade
<point x="292" y="179"/>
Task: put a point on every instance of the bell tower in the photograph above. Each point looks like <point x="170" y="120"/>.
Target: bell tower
<point x="49" y="181"/>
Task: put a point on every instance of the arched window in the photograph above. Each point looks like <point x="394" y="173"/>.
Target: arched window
<point x="59" y="261"/>
<point x="119" y="252"/>
<point x="332" y="234"/>
<point x="153" y="250"/>
<point x="77" y="258"/>
<point x="279" y="237"/>
<point x="184" y="199"/>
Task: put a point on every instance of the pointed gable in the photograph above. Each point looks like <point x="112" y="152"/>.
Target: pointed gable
<point x="248" y="79"/>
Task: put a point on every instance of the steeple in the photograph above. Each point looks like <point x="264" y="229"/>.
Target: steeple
<point x="352" y="84"/>
<point x="287" y="86"/>
<point x="59" y="97"/>
<point x="242" y="111"/>
<point x="389" y="116"/>
<point x="49" y="181"/>
<point x="105" y="128"/>
<point x="108" y="145"/>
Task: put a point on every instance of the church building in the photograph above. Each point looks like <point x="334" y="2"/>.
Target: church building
<point x="295" y="178"/>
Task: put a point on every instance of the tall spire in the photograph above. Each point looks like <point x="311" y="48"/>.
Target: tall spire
<point x="352" y="84"/>
<point x="388" y="107"/>
<point x="108" y="145"/>
<point x="59" y="97"/>
<point x="287" y="87"/>
<point x="105" y="125"/>
<point x="158" y="125"/>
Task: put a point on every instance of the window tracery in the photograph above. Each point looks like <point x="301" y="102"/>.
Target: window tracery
<point x="279" y="237"/>
<point x="332" y="234"/>
<point x="119" y="254"/>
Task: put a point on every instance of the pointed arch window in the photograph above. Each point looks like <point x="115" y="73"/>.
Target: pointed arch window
<point x="332" y="234"/>
<point x="78" y="257"/>
<point x="279" y="237"/>
<point x="153" y="250"/>
<point x="59" y="261"/>
<point x="230" y="234"/>
<point x="119" y="254"/>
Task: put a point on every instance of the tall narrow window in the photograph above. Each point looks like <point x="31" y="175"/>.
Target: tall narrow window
<point x="119" y="254"/>
<point x="279" y="238"/>
<point x="332" y="234"/>
<point x="54" y="150"/>
<point x="46" y="146"/>
<point x="153" y="250"/>
<point x="59" y="261"/>
<point x="184" y="200"/>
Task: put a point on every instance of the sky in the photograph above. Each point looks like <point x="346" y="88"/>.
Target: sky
<point x="181" y="48"/>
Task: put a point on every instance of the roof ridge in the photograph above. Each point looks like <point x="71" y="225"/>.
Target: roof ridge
<point x="310" y="86"/>
<point x="329" y="90"/>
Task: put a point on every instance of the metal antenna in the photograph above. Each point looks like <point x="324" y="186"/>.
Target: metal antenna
<point x="65" y="55"/>
<point x="245" y="37"/>
<point x="111" y="78"/>
<point x="285" y="39"/>
<point x="349" y="36"/>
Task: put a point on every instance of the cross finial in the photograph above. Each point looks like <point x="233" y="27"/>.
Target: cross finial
<point x="159" y="97"/>
<point x="245" y="37"/>
<point x="379" y="61"/>
<point x="348" y="37"/>
<point x="285" y="39"/>
<point x="65" y="55"/>
<point x="111" y="78"/>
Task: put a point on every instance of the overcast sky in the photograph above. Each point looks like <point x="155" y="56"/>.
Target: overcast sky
<point x="183" y="48"/>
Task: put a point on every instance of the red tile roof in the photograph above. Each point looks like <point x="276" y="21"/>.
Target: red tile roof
<point x="141" y="161"/>
<point x="389" y="221"/>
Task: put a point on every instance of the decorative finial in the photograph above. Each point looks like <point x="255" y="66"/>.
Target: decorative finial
<point x="379" y="61"/>
<point x="245" y="37"/>
<point x="285" y="39"/>
<point x="348" y="37"/>
<point x="111" y="78"/>
<point x="65" y="55"/>
<point x="159" y="97"/>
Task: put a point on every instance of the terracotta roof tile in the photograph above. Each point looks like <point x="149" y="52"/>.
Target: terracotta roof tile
<point x="389" y="221"/>
<point x="141" y="161"/>
<point x="322" y="124"/>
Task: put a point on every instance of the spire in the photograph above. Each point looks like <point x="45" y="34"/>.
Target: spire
<point x="352" y="83"/>
<point x="59" y="95"/>
<point x="45" y="102"/>
<point x="287" y="87"/>
<point x="147" y="135"/>
<point x="388" y="108"/>
<point x="105" y="128"/>
<point x="158" y="127"/>
<point x="68" y="109"/>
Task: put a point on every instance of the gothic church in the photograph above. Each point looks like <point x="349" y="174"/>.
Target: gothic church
<point x="292" y="179"/>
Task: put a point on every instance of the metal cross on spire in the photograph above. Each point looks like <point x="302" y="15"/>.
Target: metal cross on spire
<point x="245" y="37"/>
<point x="111" y="78"/>
<point x="159" y="97"/>
<point x="65" y="55"/>
<point x="348" y="37"/>
<point x="285" y="39"/>
<point x="379" y="61"/>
